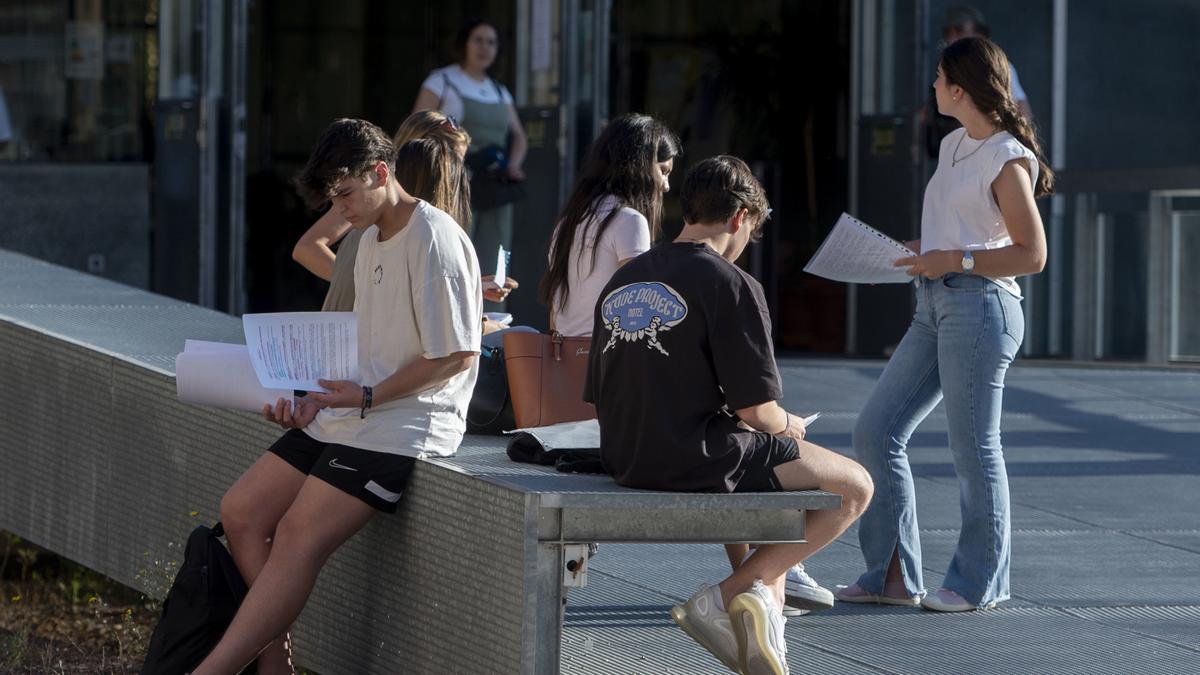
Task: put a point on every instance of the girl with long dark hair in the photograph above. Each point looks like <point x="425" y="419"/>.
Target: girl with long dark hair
<point x="613" y="214"/>
<point x="980" y="229"/>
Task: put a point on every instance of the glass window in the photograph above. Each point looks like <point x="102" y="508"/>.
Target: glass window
<point x="76" y="79"/>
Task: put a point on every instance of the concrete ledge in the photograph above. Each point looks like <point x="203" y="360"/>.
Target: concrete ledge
<point x="104" y="465"/>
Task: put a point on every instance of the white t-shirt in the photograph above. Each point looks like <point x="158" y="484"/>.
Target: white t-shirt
<point x="417" y="295"/>
<point x="627" y="236"/>
<point x="486" y="91"/>
<point x="960" y="212"/>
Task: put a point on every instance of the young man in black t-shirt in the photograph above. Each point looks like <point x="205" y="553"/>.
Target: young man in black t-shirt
<point x="683" y="377"/>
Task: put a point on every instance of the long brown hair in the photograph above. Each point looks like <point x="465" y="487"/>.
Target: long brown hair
<point x="980" y="67"/>
<point x="619" y="165"/>
<point x="430" y="169"/>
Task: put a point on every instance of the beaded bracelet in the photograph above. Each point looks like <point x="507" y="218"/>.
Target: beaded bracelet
<point x="366" y="402"/>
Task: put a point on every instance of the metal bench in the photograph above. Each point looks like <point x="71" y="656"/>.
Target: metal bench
<point x="103" y="465"/>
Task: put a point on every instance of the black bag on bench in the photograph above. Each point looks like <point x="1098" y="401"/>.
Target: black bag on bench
<point x="527" y="448"/>
<point x="199" y="607"/>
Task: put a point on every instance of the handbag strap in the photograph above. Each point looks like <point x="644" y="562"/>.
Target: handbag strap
<point x="556" y="342"/>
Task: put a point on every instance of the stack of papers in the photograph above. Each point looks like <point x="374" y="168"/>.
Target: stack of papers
<point x="283" y="352"/>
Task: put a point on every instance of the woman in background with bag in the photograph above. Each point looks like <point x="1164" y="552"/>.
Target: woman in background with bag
<point x="485" y="109"/>
<point x="613" y="214"/>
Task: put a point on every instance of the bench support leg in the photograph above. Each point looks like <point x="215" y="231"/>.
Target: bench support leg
<point x="550" y="602"/>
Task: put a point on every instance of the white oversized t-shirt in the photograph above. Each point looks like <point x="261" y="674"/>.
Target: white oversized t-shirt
<point x="627" y="236"/>
<point x="960" y="212"/>
<point x="417" y="295"/>
<point x="462" y="84"/>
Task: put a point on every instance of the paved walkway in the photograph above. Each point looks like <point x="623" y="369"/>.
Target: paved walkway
<point x="1104" y="466"/>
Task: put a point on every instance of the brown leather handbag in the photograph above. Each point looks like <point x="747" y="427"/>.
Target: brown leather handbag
<point x="545" y="378"/>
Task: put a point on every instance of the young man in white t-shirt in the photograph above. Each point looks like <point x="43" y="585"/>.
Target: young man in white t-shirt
<point x="349" y="451"/>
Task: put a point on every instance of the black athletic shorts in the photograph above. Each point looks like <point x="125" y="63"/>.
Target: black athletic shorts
<point x="758" y="464"/>
<point x="377" y="478"/>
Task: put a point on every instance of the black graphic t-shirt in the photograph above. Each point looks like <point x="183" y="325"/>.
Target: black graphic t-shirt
<point x="681" y="337"/>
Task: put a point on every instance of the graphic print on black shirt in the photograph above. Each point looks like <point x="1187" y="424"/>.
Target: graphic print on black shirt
<point x="680" y="335"/>
<point x="641" y="311"/>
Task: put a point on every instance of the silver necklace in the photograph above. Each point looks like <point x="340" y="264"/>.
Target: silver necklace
<point x="954" y="155"/>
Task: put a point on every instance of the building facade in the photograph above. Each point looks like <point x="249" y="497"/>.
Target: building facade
<point x="153" y="141"/>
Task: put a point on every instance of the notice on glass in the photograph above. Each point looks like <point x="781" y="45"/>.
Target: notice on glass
<point x="857" y="253"/>
<point x="221" y="375"/>
<point x="295" y="349"/>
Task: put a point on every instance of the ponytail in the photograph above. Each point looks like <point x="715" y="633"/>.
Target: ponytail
<point x="1010" y="119"/>
<point x="981" y="68"/>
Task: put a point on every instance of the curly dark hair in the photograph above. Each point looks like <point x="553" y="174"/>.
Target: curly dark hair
<point x="348" y="147"/>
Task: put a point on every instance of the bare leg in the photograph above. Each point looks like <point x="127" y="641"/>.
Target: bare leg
<point x="250" y="511"/>
<point x="736" y="554"/>
<point x="320" y="520"/>
<point x="816" y="469"/>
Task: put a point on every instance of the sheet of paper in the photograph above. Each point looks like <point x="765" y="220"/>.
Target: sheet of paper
<point x="501" y="267"/>
<point x="220" y="375"/>
<point x="293" y="350"/>
<point x="502" y="318"/>
<point x="857" y="253"/>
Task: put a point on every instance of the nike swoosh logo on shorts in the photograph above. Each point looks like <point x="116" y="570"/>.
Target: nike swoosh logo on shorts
<point x="334" y="463"/>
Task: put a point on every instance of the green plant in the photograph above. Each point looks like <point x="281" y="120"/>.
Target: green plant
<point x="14" y="649"/>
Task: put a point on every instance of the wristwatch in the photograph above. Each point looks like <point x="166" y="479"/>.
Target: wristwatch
<point x="968" y="262"/>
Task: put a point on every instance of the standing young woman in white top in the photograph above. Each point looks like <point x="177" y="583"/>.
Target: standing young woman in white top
<point x="980" y="228"/>
<point x="485" y="109"/>
<point x="613" y="214"/>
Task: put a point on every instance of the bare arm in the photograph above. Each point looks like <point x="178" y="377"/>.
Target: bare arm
<point x="771" y="418"/>
<point x="313" y="250"/>
<point x="1013" y="190"/>
<point x="426" y="100"/>
<point x="409" y="379"/>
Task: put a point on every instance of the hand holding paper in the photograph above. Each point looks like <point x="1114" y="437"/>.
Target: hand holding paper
<point x="286" y="352"/>
<point x="291" y="414"/>
<point x="340" y="394"/>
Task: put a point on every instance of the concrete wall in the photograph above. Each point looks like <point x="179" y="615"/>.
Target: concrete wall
<point x="68" y="213"/>
<point x="102" y="464"/>
<point x="1132" y="90"/>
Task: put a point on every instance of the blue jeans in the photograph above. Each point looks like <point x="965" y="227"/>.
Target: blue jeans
<point x="965" y="333"/>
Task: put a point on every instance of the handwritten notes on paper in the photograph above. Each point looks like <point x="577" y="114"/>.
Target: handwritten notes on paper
<point x="857" y="253"/>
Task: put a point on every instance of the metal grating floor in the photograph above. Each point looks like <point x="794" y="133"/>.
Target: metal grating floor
<point x="1104" y="469"/>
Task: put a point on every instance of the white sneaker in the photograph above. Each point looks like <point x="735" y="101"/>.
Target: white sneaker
<point x="803" y="592"/>
<point x="758" y="626"/>
<point x="702" y="619"/>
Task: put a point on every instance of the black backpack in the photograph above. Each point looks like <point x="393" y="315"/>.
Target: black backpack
<point x="199" y="607"/>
